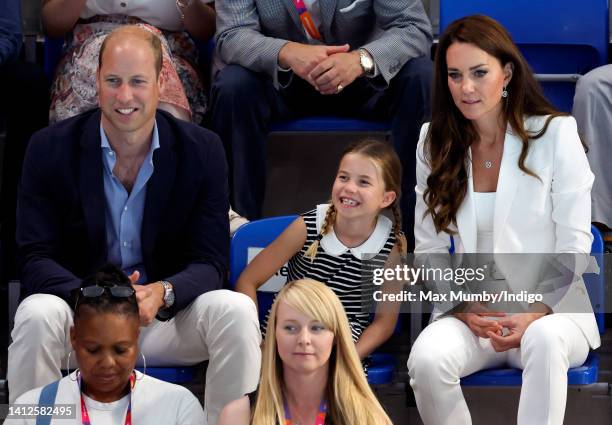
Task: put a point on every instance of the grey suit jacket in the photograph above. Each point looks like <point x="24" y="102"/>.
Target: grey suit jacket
<point x="252" y="32"/>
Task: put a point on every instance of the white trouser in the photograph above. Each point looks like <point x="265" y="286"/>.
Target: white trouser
<point x="219" y="326"/>
<point x="447" y="350"/>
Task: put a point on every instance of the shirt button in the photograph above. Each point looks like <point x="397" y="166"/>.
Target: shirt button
<point x="125" y="208"/>
<point x="125" y="243"/>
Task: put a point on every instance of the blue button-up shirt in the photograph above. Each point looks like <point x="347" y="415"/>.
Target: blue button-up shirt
<point x="125" y="211"/>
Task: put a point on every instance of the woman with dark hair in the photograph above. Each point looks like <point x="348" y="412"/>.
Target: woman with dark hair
<point x="105" y="388"/>
<point x="502" y="171"/>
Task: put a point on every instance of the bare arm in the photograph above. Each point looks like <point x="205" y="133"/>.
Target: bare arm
<point x="237" y="412"/>
<point x="200" y="20"/>
<point x="268" y="261"/>
<point x="383" y="325"/>
<point x="60" y="16"/>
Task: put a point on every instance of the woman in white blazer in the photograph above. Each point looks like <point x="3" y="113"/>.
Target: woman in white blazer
<point x="503" y="172"/>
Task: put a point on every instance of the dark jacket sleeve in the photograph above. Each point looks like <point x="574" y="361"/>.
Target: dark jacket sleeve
<point x="207" y="246"/>
<point x="38" y="223"/>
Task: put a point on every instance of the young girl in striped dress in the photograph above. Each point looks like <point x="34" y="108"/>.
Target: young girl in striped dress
<point x="341" y="242"/>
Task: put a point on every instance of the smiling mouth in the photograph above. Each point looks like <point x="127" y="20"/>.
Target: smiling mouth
<point x="348" y="202"/>
<point x="125" y="111"/>
<point x="470" y="102"/>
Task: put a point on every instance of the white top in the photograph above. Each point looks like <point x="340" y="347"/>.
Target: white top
<point x="154" y="402"/>
<point x="107" y="413"/>
<point x="163" y="14"/>
<point x="484" y="203"/>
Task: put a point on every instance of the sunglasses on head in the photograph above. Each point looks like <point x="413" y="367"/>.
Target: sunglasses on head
<point x="116" y="291"/>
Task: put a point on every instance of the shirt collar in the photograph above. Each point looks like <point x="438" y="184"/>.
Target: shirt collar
<point x="367" y="250"/>
<point x="104" y="143"/>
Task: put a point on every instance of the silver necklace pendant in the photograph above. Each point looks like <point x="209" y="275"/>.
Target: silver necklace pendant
<point x="488" y="164"/>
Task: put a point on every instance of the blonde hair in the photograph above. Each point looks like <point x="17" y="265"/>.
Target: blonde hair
<point x="350" y="399"/>
<point x="388" y="163"/>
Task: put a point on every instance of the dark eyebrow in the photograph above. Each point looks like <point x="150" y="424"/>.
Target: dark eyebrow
<point x="471" y="68"/>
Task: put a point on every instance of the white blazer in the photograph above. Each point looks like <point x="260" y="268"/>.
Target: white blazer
<point x="531" y="216"/>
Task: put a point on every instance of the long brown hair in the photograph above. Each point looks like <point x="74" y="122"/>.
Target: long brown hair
<point x="390" y="167"/>
<point x="450" y="134"/>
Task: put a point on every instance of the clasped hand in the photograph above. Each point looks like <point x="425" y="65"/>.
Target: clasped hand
<point x="516" y="324"/>
<point x="324" y="67"/>
<point x="476" y="318"/>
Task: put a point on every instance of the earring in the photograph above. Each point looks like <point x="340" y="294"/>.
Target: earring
<point x="505" y="92"/>
<point x="144" y="366"/>
<point x="68" y="368"/>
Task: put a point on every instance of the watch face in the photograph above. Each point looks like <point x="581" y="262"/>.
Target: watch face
<point x="168" y="295"/>
<point x="366" y="62"/>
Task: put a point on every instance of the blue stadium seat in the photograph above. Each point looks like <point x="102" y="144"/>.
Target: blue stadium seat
<point x="582" y="375"/>
<point x="560" y="39"/>
<point x="324" y="123"/>
<point x="53" y="50"/>
<point x="175" y="375"/>
<point x="259" y="234"/>
<point x="256" y="234"/>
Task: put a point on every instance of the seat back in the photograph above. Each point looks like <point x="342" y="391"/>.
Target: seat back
<point x="595" y="282"/>
<point x="53" y="50"/>
<point x="329" y="124"/>
<point x="559" y="40"/>
<point x="246" y="243"/>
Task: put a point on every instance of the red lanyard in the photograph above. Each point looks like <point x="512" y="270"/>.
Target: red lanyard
<point x="306" y="19"/>
<point x="319" y="420"/>
<point x="128" y="415"/>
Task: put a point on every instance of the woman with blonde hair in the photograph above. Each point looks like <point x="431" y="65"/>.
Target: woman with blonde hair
<point x="311" y="373"/>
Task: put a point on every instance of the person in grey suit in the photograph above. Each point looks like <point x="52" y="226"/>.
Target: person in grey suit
<point x="593" y="112"/>
<point x="281" y="59"/>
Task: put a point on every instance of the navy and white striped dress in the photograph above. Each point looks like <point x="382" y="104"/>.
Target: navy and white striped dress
<point x="347" y="271"/>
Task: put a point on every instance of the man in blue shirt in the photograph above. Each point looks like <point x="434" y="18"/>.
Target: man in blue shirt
<point x="136" y="187"/>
